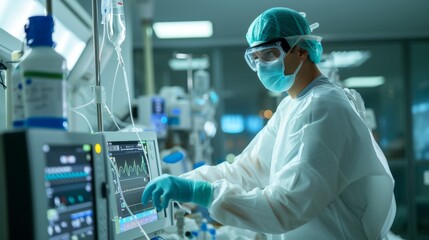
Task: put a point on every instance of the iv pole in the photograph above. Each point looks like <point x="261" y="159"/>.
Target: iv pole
<point x="49" y="7"/>
<point x="97" y="65"/>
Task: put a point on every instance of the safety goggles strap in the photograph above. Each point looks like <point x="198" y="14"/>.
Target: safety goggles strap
<point x="280" y="41"/>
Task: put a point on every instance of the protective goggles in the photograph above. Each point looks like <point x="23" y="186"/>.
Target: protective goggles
<point x="269" y="53"/>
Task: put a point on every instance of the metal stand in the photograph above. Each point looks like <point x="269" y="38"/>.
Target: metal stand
<point x="97" y="62"/>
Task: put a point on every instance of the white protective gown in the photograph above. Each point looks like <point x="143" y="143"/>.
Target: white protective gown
<point x="313" y="172"/>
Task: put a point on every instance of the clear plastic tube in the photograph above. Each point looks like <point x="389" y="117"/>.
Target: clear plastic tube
<point x="113" y="86"/>
<point x="116" y="27"/>
<point x="127" y="88"/>
<point x="122" y="65"/>
<point x="103" y="40"/>
<point x="113" y="117"/>
<point x="84" y="105"/>
<point x="110" y="111"/>
<point x="86" y="119"/>
<point x="119" y="122"/>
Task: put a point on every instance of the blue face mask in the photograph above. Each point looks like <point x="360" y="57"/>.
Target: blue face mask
<point x="273" y="78"/>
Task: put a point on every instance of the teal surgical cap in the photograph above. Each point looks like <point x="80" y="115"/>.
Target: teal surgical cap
<point x="281" y="22"/>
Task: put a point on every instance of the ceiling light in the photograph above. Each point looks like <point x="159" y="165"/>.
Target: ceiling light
<point x="194" y="29"/>
<point x="185" y="64"/>
<point x="182" y="55"/>
<point x="364" y="82"/>
<point x="344" y="59"/>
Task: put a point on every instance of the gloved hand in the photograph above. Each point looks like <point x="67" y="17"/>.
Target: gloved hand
<point x="168" y="187"/>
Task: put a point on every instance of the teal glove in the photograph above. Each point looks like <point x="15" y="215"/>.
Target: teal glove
<point x="168" y="187"/>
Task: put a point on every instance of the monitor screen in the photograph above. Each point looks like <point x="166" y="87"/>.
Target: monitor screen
<point x="131" y="163"/>
<point x="69" y="191"/>
<point x="134" y="162"/>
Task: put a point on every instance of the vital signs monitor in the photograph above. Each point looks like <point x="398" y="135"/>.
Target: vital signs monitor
<point x="53" y="185"/>
<point x="134" y="161"/>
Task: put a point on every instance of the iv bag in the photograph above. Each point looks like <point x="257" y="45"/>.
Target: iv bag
<point x="116" y="23"/>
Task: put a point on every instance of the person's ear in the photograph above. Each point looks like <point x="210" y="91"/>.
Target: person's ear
<point x="302" y="53"/>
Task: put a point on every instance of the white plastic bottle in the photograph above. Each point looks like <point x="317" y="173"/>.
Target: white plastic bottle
<point x="43" y="71"/>
<point x="18" y="116"/>
<point x="116" y="23"/>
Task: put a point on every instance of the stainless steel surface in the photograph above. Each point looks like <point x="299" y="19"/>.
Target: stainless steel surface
<point x="97" y="61"/>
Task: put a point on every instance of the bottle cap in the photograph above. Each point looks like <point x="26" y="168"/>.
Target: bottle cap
<point x="39" y="31"/>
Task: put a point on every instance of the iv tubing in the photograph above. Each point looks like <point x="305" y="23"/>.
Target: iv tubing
<point x="113" y="85"/>
<point x="86" y="119"/>
<point x="113" y="117"/>
<point x="100" y="99"/>
<point x="84" y="105"/>
<point x="129" y="105"/>
<point x="127" y="89"/>
<point x="103" y="40"/>
<point x="121" y="63"/>
<point x="99" y="109"/>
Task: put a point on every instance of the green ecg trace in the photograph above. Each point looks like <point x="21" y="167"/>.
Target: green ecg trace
<point x="134" y="168"/>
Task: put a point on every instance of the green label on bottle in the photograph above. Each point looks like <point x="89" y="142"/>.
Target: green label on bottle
<point x="43" y="75"/>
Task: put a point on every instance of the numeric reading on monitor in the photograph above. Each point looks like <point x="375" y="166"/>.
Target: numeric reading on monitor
<point x="130" y="161"/>
<point x="69" y="190"/>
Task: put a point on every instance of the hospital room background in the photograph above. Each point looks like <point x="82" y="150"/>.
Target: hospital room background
<point x="378" y="48"/>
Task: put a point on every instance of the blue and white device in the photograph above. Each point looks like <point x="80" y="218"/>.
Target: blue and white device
<point x="53" y="185"/>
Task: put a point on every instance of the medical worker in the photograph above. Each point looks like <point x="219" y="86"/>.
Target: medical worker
<point x="314" y="171"/>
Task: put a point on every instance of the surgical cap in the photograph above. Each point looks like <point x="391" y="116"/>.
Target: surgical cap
<point x="280" y="22"/>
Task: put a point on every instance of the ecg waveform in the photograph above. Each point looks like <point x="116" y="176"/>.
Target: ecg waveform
<point x="126" y="190"/>
<point x="133" y="169"/>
